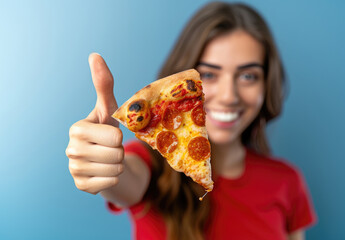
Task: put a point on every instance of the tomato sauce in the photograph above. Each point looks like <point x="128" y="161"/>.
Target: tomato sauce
<point x="186" y="104"/>
<point x="157" y="111"/>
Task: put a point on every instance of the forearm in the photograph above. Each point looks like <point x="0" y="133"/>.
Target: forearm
<point x="132" y="185"/>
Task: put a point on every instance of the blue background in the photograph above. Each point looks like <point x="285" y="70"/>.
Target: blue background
<point x="46" y="87"/>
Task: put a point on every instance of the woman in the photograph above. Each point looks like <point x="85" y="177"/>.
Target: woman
<point x="255" y="196"/>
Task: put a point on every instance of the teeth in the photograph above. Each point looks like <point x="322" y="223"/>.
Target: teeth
<point x="224" y="117"/>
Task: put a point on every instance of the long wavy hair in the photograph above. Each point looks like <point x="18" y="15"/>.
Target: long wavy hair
<point x="171" y="193"/>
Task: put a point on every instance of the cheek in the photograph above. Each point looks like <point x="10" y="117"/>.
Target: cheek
<point x="208" y="90"/>
<point x="253" y="98"/>
<point x="257" y="102"/>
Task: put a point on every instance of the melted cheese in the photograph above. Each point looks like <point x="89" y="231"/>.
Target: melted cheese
<point x="179" y="160"/>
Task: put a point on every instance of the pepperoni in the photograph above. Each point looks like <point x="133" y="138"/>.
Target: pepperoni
<point x="172" y="118"/>
<point x="199" y="148"/>
<point x="198" y="116"/>
<point x="187" y="104"/>
<point x="166" y="142"/>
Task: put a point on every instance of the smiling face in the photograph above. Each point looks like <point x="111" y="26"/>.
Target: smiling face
<point x="232" y="71"/>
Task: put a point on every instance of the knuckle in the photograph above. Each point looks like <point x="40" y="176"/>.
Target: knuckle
<point x="94" y="191"/>
<point x="81" y="185"/>
<point x="77" y="131"/>
<point x="120" y="168"/>
<point x="67" y="152"/>
<point x="72" y="152"/>
<point x="115" y="181"/>
<point x="116" y="137"/>
<point x="75" y="168"/>
<point x="120" y="154"/>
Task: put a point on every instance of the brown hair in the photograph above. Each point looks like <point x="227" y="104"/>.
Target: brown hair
<point x="173" y="194"/>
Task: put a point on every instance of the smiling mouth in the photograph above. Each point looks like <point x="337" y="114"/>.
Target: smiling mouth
<point x="225" y="117"/>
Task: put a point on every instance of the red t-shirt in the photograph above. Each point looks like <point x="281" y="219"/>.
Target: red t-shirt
<point x="269" y="201"/>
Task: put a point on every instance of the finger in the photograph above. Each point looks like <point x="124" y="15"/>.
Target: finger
<point x="103" y="183"/>
<point x="101" y="134"/>
<point x="101" y="154"/>
<point x="104" y="83"/>
<point x="95" y="184"/>
<point x="94" y="153"/>
<point x="106" y="135"/>
<point x="79" y="167"/>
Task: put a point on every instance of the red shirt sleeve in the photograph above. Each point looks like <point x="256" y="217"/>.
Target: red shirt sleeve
<point x="301" y="213"/>
<point x="137" y="148"/>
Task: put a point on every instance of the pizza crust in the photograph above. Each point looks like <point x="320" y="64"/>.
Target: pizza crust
<point x="154" y="90"/>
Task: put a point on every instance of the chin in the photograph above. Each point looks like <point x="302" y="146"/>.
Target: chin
<point x="222" y="139"/>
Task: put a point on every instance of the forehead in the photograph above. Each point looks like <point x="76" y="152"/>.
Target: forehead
<point x="233" y="49"/>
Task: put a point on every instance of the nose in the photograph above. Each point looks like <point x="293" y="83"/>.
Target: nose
<point x="227" y="90"/>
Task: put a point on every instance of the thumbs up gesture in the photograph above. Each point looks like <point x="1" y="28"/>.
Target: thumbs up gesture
<point x="95" y="148"/>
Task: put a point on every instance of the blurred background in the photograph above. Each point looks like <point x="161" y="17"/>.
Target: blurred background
<point x="46" y="86"/>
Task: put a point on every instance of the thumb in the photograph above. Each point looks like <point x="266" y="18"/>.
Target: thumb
<point x="104" y="83"/>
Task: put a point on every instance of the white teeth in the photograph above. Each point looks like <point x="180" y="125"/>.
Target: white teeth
<point x="224" y="117"/>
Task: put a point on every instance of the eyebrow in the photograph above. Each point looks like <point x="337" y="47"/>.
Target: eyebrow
<point x="244" y="66"/>
<point x="250" y="65"/>
<point x="209" y="65"/>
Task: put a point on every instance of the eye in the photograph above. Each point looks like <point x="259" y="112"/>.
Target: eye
<point x="207" y="76"/>
<point x="248" y="77"/>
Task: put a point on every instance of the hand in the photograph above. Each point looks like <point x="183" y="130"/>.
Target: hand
<point x="95" y="148"/>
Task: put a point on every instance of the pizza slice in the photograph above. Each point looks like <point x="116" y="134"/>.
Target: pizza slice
<point x="168" y="114"/>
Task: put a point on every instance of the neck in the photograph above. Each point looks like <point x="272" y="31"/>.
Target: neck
<point x="228" y="159"/>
